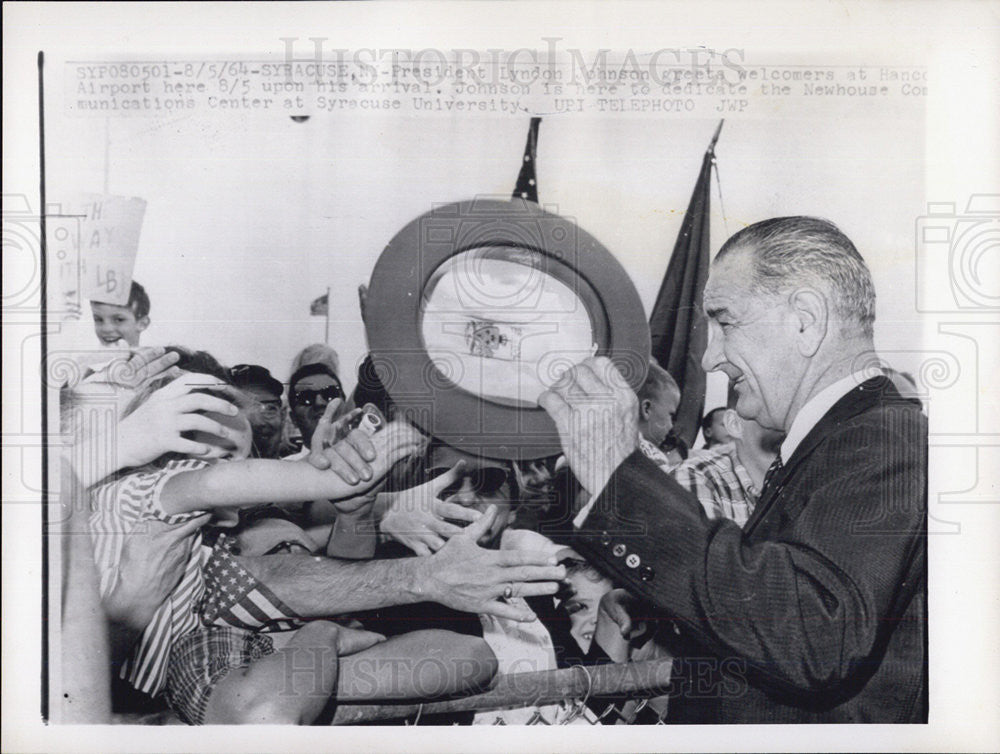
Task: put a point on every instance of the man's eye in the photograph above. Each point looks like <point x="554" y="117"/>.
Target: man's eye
<point x="574" y="607"/>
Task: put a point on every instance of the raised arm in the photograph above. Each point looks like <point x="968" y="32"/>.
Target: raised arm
<point x="809" y="607"/>
<point x="461" y="575"/>
<point x="807" y="610"/>
<point x="254" y="481"/>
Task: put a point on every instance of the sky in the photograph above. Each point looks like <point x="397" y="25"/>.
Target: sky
<point x="251" y="217"/>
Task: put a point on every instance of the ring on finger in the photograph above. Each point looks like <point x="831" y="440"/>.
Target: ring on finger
<point x="508" y="591"/>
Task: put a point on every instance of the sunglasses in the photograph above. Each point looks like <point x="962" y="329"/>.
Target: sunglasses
<point x="307" y="397"/>
<point x="485" y="481"/>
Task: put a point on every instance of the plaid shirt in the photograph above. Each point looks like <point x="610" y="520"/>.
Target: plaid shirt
<point x="720" y="482"/>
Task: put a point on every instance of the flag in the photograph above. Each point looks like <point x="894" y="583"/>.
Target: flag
<point x="677" y="325"/>
<point x="527" y="185"/>
<point x="321" y="306"/>
<point x="233" y="597"/>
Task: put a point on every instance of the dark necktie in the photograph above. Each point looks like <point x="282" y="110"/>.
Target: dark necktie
<point x="772" y="470"/>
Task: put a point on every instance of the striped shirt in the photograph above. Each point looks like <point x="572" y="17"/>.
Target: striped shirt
<point x="720" y="482"/>
<point x="120" y="508"/>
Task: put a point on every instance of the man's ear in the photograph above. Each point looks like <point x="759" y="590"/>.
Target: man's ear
<point x="732" y="422"/>
<point x="645" y="408"/>
<point x="142" y="323"/>
<point x="811" y="314"/>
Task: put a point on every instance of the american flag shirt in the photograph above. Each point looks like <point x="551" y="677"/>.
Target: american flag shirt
<point x="233" y="597"/>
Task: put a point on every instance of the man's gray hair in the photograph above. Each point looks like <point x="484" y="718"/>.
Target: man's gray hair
<point x="658" y="381"/>
<point x="792" y="251"/>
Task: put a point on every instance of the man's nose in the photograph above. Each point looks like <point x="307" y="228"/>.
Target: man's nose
<point x="713" y="352"/>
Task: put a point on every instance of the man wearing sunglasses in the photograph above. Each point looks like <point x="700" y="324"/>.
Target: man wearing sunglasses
<point x="310" y="389"/>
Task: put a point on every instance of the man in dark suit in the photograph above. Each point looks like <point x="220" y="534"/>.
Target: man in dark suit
<point x="815" y="611"/>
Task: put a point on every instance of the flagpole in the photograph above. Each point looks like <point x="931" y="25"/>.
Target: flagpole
<point x="326" y="331"/>
<point x="711" y="147"/>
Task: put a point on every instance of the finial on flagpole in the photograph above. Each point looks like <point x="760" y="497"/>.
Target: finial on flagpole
<point x="718" y="130"/>
<point x="527" y="185"/>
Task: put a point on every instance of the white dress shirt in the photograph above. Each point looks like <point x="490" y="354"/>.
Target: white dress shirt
<point x="817" y="406"/>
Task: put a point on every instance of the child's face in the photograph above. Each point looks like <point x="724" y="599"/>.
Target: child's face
<point x="234" y="448"/>
<point x="582" y="605"/>
<point x="113" y="323"/>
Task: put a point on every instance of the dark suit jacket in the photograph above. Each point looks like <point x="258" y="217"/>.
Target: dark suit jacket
<point x="815" y="611"/>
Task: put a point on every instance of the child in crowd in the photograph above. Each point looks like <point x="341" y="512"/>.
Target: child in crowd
<point x="74" y="358"/>
<point x="122" y="326"/>
<point x="585" y="588"/>
<point x="175" y="652"/>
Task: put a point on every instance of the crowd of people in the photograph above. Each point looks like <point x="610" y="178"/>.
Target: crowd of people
<point x="265" y="551"/>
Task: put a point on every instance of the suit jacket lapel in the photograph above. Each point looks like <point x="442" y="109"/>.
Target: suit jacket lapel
<point x="860" y="399"/>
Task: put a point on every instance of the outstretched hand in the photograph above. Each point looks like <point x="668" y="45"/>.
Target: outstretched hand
<point x="465" y="576"/>
<point x="157" y="426"/>
<point x="141" y="366"/>
<point x="357" y="458"/>
<point x="417" y="517"/>
<point x="597" y="415"/>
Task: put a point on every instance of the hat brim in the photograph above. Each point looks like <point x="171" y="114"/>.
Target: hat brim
<point x="444" y="456"/>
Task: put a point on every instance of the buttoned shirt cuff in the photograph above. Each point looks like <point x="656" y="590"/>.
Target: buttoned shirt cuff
<point x="584" y="512"/>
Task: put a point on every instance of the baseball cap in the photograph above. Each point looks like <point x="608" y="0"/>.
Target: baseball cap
<point x="254" y="375"/>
